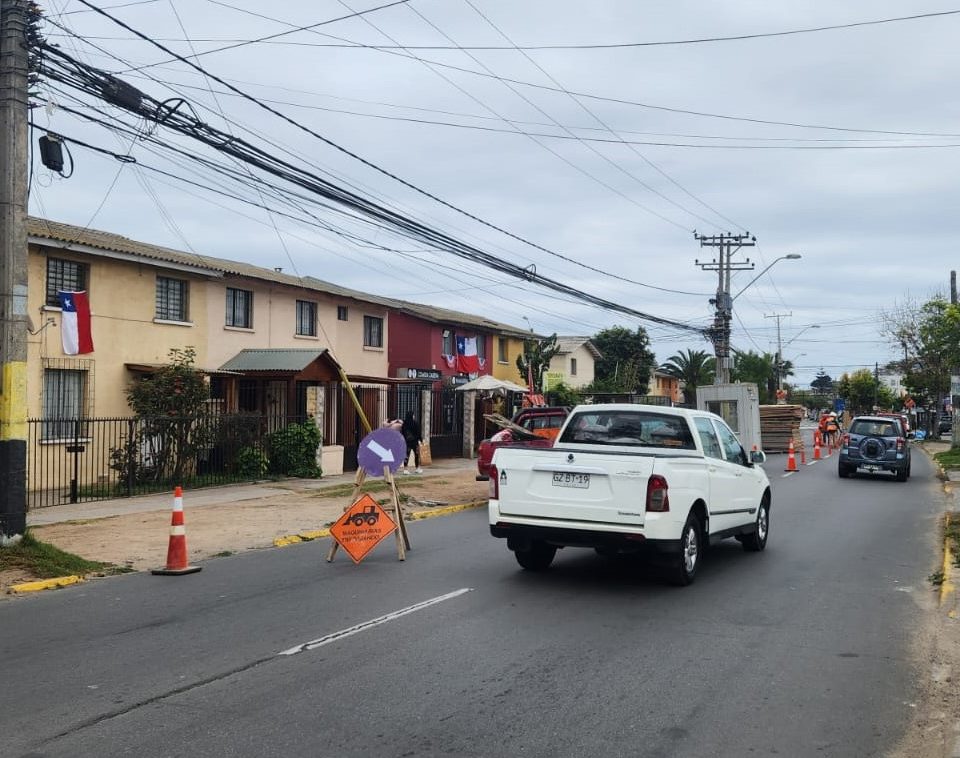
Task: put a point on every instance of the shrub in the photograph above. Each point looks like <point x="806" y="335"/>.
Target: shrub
<point x="292" y="451"/>
<point x="251" y="463"/>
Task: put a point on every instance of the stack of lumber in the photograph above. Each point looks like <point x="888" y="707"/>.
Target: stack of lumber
<point x="778" y="425"/>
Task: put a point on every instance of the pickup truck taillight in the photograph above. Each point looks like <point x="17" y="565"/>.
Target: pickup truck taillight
<point x="494" y="486"/>
<point x="657" y="499"/>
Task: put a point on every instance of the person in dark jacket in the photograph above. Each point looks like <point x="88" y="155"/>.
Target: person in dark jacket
<point x="413" y="436"/>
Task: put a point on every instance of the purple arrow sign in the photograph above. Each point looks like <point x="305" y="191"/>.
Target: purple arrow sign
<point x="381" y="447"/>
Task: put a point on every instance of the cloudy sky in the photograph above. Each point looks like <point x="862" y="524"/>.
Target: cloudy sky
<point x="599" y="154"/>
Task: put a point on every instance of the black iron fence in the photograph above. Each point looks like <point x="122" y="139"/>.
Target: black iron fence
<point x="77" y="460"/>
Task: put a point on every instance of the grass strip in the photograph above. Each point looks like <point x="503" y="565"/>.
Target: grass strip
<point x="44" y="561"/>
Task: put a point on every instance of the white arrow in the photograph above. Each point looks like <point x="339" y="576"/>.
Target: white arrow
<point x="384" y="454"/>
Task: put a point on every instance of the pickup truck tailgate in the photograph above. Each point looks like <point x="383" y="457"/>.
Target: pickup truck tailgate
<point x="596" y="488"/>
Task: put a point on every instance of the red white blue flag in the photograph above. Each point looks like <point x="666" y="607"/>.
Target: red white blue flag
<point x="75" y="325"/>
<point x="467" y="360"/>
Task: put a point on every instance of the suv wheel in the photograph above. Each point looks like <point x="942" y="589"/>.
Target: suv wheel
<point x="843" y="470"/>
<point x="757" y="541"/>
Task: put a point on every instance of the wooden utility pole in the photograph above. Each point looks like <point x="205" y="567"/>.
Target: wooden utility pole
<point x="727" y="244"/>
<point x="13" y="267"/>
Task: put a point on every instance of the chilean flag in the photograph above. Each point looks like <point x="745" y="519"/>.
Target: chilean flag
<point x="75" y="324"/>
<point x="467" y="360"/>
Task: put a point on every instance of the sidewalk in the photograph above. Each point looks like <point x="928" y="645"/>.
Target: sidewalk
<point x="134" y="532"/>
<point x="231" y="493"/>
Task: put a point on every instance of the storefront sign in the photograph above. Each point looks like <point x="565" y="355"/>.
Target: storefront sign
<point x="432" y="374"/>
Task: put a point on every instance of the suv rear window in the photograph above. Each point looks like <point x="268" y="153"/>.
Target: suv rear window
<point x="631" y="428"/>
<point x="866" y="427"/>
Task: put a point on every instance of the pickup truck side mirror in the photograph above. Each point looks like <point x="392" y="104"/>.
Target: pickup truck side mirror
<point x="758" y="457"/>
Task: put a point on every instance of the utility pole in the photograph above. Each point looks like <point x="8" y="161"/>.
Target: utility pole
<point x="14" y="64"/>
<point x="727" y="245"/>
<point x="779" y="360"/>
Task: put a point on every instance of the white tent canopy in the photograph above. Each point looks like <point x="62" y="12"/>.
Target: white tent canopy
<point x="489" y="383"/>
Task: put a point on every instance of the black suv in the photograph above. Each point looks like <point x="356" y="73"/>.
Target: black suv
<point x="875" y="443"/>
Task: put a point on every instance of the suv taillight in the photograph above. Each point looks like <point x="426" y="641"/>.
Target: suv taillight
<point x="657" y="499"/>
<point x="493" y="489"/>
<point x="901" y="442"/>
<point x="845" y="441"/>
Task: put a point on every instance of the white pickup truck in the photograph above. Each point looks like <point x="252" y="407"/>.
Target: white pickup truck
<point x="631" y="478"/>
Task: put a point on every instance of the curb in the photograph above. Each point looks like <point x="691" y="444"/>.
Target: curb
<point x="294" y="539"/>
<point x="44" y="584"/>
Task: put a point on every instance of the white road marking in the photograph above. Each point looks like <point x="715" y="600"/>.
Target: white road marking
<point x="334" y="636"/>
<point x="789" y="473"/>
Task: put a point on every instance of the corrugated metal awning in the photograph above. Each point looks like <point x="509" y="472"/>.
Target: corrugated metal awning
<point x="292" y="360"/>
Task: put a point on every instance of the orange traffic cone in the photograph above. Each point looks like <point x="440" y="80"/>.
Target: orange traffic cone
<point x="803" y="455"/>
<point x="177" y="547"/>
<point x="816" y="446"/>
<point x="791" y="459"/>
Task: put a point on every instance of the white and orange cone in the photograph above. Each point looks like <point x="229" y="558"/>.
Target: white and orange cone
<point x="791" y="459"/>
<point x="177" y="546"/>
<point x="816" y="446"/>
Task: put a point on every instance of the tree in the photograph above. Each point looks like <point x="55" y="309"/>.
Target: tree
<point x="694" y="368"/>
<point x="625" y="362"/>
<point x="168" y="404"/>
<point x="823" y="384"/>
<point x="537" y="355"/>
<point x="758" y="368"/>
<point x="862" y="392"/>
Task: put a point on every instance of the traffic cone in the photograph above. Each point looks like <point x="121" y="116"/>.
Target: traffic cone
<point x="177" y="546"/>
<point x="803" y="455"/>
<point x="791" y="459"/>
<point x="816" y="446"/>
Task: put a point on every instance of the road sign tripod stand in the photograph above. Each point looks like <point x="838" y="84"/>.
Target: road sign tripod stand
<point x="400" y="532"/>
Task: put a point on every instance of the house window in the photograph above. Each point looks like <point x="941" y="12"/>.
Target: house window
<point x="64" y="276"/>
<point x="372" y="331"/>
<point x="447" y="346"/>
<point x="63" y="403"/>
<point x="341" y="313"/>
<point x="171" y="299"/>
<point x="306" y="318"/>
<point x="573" y="367"/>
<point x="239" y="308"/>
<point x="502" y="349"/>
<point x="482" y="348"/>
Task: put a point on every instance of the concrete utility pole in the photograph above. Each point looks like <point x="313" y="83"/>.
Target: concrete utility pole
<point x="779" y="361"/>
<point x="727" y="244"/>
<point x="13" y="267"/>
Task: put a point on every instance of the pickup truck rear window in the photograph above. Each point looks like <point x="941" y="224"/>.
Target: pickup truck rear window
<point x="630" y="428"/>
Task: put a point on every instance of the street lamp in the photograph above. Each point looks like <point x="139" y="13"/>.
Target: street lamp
<point x="787" y="257"/>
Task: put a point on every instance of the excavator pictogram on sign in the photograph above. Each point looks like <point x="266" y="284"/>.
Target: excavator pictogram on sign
<point x="361" y="527"/>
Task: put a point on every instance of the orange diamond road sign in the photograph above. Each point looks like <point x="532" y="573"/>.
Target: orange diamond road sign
<point x="361" y="528"/>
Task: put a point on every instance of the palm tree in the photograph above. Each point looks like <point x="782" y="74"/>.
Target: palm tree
<point x="693" y="368"/>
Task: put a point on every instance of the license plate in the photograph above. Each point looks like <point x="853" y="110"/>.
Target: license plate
<point x="561" y="479"/>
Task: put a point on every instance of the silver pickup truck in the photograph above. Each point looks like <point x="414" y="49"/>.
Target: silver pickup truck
<point x="631" y="478"/>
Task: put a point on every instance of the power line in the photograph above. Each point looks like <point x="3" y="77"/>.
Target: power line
<point x="172" y="116"/>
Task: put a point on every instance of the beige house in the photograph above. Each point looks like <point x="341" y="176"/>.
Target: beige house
<point x="664" y="385"/>
<point x="574" y="362"/>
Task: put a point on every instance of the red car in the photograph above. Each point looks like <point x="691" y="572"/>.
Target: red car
<point x="530" y="427"/>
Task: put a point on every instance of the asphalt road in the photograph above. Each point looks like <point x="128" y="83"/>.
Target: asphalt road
<point x="802" y="650"/>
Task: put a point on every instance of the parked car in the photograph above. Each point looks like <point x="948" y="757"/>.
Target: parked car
<point x="530" y="427"/>
<point x="945" y="424"/>
<point x="874" y="444"/>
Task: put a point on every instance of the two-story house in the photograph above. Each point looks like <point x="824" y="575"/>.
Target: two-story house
<point x="574" y="362"/>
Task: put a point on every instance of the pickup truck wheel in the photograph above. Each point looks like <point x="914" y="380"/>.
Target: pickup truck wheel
<point x="757" y="541"/>
<point x="538" y="557"/>
<point x="684" y="570"/>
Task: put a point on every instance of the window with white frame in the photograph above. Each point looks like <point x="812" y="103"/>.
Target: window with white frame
<point x="64" y="403"/>
<point x="446" y="347"/>
<point x="64" y="276"/>
<point x="306" y="318"/>
<point x="342" y="313"/>
<point x="502" y="349"/>
<point x="573" y="367"/>
<point x="372" y="331"/>
<point x="239" y="308"/>
<point x="172" y="297"/>
<point x="482" y="348"/>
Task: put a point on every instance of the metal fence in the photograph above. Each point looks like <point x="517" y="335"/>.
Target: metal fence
<point x="77" y="460"/>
